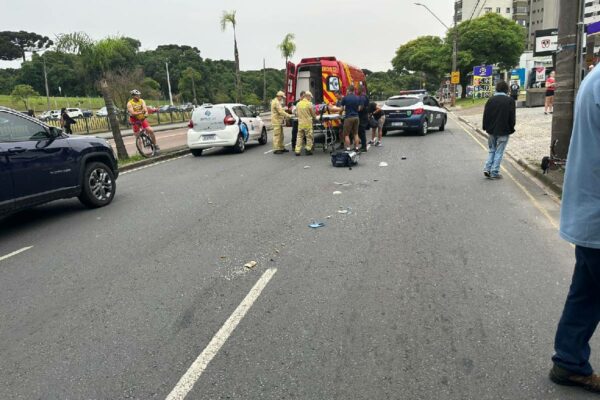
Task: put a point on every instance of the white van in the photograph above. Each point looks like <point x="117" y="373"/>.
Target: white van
<point x="219" y="125"/>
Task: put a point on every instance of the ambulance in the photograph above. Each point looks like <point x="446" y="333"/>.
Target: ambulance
<point x="322" y="76"/>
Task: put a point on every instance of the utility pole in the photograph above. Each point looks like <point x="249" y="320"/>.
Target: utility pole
<point x="454" y="49"/>
<point x="46" y="83"/>
<point x="264" y="84"/>
<point x="566" y="76"/>
<point x="169" y="83"/>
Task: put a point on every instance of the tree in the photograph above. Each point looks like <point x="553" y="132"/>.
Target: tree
<point x="187" y="84"/>
<point x="72" y="42"/>
<point x="23" y="93"/>
<point x="425" y="54"/>
<point x="487" y="40"/>
<point x="229" y="18"/>
<point x="25" y="42"/>
<point x="287" y="47"/>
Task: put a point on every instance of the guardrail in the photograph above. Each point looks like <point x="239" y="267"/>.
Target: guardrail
<point x="95" y="124"/>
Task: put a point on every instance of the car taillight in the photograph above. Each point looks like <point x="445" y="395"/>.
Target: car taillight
<point x="229" y="120"/>
<point x="191" y="124"/>
<point x="418" y="111"/>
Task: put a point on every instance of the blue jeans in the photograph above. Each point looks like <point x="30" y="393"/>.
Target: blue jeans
<point x="580" y="315"/>
<point x="496" y="145"/>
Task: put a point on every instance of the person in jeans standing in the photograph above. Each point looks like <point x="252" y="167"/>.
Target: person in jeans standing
<point x="351" y="104"/>
<point x="580" y="225"/>
<point x="499" y="118"/>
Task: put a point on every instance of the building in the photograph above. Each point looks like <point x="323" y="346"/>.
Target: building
<point x="592" y="12"/>
<point x="591" y="18"/>
<point x="467" y="9"/>
<point x="543" y="14"/>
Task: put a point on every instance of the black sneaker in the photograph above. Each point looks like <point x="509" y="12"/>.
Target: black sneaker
<point x="285" y="150"/>
<point x="487" y="174"/>
<point x="496" y="176"/>
<point x="362" y="150"/>
<point x="308" y="152"/>
<point x="278" y="152"/>
<point x="297" y="154"/>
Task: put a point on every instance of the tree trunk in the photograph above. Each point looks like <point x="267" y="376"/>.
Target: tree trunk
<point x="562" y="121"/>
<point x="238" y="82"/>
<point x="114" y="122"/>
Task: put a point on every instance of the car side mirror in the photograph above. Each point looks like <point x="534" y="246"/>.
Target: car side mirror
<point x="54" y="132"/>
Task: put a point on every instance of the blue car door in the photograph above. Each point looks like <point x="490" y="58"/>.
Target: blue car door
<point x="6" y="184"/>
<point x="42" y="166"/>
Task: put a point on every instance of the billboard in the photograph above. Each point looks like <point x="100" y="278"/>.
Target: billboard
<point x="546" y="42"/>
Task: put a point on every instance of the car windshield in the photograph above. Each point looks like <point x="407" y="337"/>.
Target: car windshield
<point x="402" y="102"/>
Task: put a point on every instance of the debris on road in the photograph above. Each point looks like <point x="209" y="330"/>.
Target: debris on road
<point x="316" y="225"/>
<point x="342" y="183"/>
<point x="404" y="157"/>
<point x="343" y="211"/>
<point x="250" y="264"/>
<point x="337" y="193"/>
<point x="383" y="164"/>
<point x="306" y="166"/>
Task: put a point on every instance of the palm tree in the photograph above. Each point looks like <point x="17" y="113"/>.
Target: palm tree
<point x="229" y="18"/>
<point x="287" y="47"/>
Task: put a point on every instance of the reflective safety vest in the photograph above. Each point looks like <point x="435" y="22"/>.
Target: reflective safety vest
<point x="278" y="114"/>
<point x="306" y="114"/>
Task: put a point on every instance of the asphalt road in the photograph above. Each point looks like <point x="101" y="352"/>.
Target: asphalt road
<point x="437" y="284"/>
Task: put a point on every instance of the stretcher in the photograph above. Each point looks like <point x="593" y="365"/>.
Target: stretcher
<point x="325" y="135"/>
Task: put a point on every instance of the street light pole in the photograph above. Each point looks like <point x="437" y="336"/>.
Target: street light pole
<point x="46" y="83"/>
<point x="169" y="83"/>
<point x="454" y="49"/>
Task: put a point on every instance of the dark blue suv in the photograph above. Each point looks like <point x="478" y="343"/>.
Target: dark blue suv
<point x="39" y="163"/>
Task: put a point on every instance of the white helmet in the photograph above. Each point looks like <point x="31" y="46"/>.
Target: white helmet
<point x="135" y="92"/>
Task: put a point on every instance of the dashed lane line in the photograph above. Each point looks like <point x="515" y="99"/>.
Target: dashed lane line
<point x="187" y="381"/>
<point x="14" y="253"/>
<point x="153" y="164"/>
<point x="536" y="204"/>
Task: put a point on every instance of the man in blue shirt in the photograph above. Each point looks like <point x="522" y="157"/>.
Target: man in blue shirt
<point x="351" y="104"/>
<point x="580" y="225"/>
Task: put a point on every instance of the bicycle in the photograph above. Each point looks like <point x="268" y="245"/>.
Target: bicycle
<point x="553" y="162"/>
<point x="143" y="142"/>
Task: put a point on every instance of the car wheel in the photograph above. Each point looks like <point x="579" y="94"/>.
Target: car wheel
<point x="239" y="146"/>
<point x="263" y="137"/>
<point x="443" y="125"/>
<point x="196" y="152"/>
<point x="98" y="186"/>
<point x="424" y="128"/>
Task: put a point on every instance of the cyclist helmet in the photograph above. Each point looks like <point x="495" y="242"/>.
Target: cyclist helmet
<point x="135" y="92"/>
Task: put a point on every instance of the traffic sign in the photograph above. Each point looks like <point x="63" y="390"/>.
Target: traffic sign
<point x="455" y="77"/>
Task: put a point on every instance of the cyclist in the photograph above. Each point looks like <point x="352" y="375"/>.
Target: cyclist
<point x="137" y="116"/>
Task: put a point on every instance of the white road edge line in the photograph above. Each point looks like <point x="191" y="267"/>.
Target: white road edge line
<point x="14" y="253"/>
<point x="270" y="151"/>
<point x="187" y="381"/>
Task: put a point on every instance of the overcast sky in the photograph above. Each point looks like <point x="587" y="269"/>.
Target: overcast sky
<point x="364" y="33"/>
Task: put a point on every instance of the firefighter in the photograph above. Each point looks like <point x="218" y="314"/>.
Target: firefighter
<point x="278" y="116"/>
<point x="306" y="115"/>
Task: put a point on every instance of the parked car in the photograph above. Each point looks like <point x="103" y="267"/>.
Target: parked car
<point x="168" y="109"/>
<point x="87" y="113"/>
<point x="75" y="112"/>
<point x="55" y="115"/>
<point x="219" y="126"/>
<point x="417" y="112"/>
<point x="45" y="116"/>
<point x="39" y="163"/>
<point x="186" y="107"/>
<point x="104" y="113"/>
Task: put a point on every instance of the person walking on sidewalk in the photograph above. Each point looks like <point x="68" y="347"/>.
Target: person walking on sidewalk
<point x="306" y="116"/>
<point x="499" y="118"/>
<point x="66" y="121"/>
<point x="278" y="116"/>
<point x="580" y="225"/>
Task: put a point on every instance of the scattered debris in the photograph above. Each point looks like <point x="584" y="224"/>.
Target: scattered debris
<point x="337" y="193"/>
<point x="210" y="202"/>
<point x="328" y="217"/>
<point x="404" y="157"/>
<point x="306" y="166"/>
<point x="277" y="251"/>
<point x="343" y="211"/>
<point x="383" y="164"/>
<point x="342" y="183"/>
<point x="316" y="225"/>
<point x="375" y="180"/>
<point x="250" y="264"/>
<point x="223" y="257"/>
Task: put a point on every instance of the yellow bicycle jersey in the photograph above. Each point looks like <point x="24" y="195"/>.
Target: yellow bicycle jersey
<point x="138" y="106"/>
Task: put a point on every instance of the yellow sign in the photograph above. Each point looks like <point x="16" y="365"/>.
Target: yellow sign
<point x="455" y="77"/>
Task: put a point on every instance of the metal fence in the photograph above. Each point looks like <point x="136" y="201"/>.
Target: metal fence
<point x="97" y="124"/>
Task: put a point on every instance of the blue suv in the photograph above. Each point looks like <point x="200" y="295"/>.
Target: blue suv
<point x="39" y="163"/>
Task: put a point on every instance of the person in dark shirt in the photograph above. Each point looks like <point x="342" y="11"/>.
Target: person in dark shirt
<point x="499" y="118"/>
<point x="351" y="104"/>
<point x="295" y="121"/>
<point x="514" y="90"/>
<point x="66" y="121"/>
<point x="376" y="131"/>
<point x="363" y="116"/>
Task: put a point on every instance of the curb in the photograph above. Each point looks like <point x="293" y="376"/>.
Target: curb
<point x="171" y="153"/>
<point x="553" y="186"/>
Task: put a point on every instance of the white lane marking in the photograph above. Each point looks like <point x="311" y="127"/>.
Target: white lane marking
<point x="14" y="253"/>
<point x="270" y="151"/>
<point x="151" y="165"/>
<point x="187" y="381"/>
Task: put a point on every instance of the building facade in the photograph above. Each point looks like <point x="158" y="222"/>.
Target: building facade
<point x="543" y="14"/>
<point x="592" y="11"/>
<point x="467" y="9"/>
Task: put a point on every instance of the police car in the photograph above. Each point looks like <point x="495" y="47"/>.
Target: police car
<point x="413" y="111"/>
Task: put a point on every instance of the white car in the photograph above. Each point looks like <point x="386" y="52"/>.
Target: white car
<point x="75" y="112"/>
<point x="220" y="125"/>
<point x="102" y="112"/>
<point x="55" y="114"/>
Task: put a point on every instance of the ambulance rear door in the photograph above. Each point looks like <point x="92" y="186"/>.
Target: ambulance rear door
<point x="332" y="81"/>
<point x="290" y="91"/>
